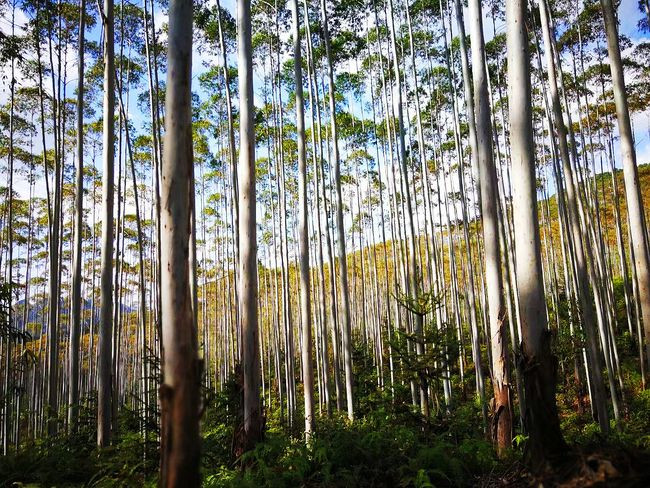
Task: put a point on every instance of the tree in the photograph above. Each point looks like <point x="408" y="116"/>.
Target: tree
<point x="583" y="251"/>
<point x="546" y="443"/>
<point x="10" y="235"/>
<point x="343" y="264"/>
<point x="413" y="282"/>
<point x="305" y="298"/>
<point x="75" y="331"/>
<point x="248" y="232"/>
<point x="636" y="218"/>
<point x="179" y="394"/>
<point x="489" y="199"/>
<point x="105" y="383"/>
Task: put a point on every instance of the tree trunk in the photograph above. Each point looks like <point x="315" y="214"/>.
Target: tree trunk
<point x="303" y="235"/>
<point x="343" y="264"/>
<point x="636" y="218"/>
<point x="106" y="297"/>
<point x="583" y="252"/>
<point x="546" y="444"/>
<point x="231" y="143"/>
<point x="75" y="330"/>
<point x="502" y="421"/>
<point x="179" y="394"/>
<point x="247" y="231"/>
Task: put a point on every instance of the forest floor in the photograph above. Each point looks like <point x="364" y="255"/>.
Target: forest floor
<point x="597" y="466"/>
<point x="389" y="445"/>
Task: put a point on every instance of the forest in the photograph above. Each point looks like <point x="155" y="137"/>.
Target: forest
<point x="324" y="243"/>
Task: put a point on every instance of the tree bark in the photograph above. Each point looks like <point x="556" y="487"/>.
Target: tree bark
<point x="179" y="394"/>
<point x="635" y="212"/>
<point x="303" y="235"/>
<point x="75" y="330"/>
<point x="106" y="293"/>
<point x="502" y="421"/>
<point x="546" y="444"/>
<point x="247" y="231"/>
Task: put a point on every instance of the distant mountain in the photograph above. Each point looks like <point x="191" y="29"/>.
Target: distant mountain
<point x="38" y="314"/>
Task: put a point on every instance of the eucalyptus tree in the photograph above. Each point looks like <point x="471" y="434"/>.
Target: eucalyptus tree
<point x="179" y="394"/>
<point x="217" y="25"/>
<point x="248" y="288"/>
<point x="584" y="258"/>
<point x="546" y="443"/>
<point x="142" y="295"/>
<point x="462" y="188"/>
<point x="342" y="254"/>
<point x="489" y="201"/>
<point x="151" y="54"/>
<point x="105" y="387"/>
<point x="75" y="331"/>
<point x="314" y="99"/>
<point x="636" y="217"/>
<point x="10" y="51"/>
<point x="413" y="281"/>
<point x="305" y="297"/>
<point x="43" y="23"/>
<point x="18" y="131"/>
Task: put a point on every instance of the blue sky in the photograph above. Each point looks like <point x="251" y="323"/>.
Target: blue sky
<point x="629" y="15"/>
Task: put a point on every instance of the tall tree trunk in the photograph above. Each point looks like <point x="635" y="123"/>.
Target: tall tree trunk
<point x="75" y="330"/>
<point x="413" y="279"/>
<point x="502" y="421"/>
<point x="303" y="234"/>
<point x="106" y="293"/>
<point x="231" y="142"/>
<point x="636" y="218"/>
<point x="471" y="290"/>
<point x="317" y="148"/>
<point x="541" y="418"/>
<point x="152" y="78"/>
<point x="142" y="305"/>
<point x="343" y="264"/>
<point x="54" y="218"/>
<point x="247" y="231"/>
<point x="6" y="417"/>
<point x="179" y="394"/>
<point x="583" y="251"/>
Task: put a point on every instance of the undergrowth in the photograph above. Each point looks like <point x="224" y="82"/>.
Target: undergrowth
<point x="389" y="444"/>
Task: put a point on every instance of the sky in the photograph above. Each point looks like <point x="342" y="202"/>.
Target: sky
<point x="628" y="14"/>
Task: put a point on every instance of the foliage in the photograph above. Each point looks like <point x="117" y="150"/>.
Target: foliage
<point x="73" y="460"/>
<point x="383" y="449"/>
<point x="389" y="444"/>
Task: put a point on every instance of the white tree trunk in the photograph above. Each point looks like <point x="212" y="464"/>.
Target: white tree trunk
<point x="502" y="421"/>
<point x="303" y="235"/>
<point x="541" y="417"/>
<point x="247" y="230"/>
<point x="636" y="218"/>
<point x="343" y="264"/>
